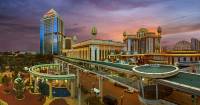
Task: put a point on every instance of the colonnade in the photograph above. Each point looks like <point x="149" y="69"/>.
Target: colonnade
<point x="173" y="59"/>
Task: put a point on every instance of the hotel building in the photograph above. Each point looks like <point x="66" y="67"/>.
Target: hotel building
<point x="51" y="33"/>
<point x="144" y="42"/>
<point x="145" y="48"/>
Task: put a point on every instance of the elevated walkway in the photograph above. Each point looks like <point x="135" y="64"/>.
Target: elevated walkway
<point x="187" y="82"/>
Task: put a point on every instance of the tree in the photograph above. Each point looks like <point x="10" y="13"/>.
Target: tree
<point x="19" y="87"/>
<point x="6" y="82"/>
<point x="43" y="88"/>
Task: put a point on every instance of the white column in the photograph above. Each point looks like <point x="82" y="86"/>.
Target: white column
<point x="98" y="54"/>
<point x="142" y="87"/>
<point x="129" y="45"/>
<point x="92" y="52"/>
<point x="88" y="53"/>
<point x="62" y="66"/>
<point x="72" y="88"/>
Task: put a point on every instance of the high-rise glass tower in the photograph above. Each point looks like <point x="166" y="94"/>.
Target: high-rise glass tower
<point x="51" y="33"/>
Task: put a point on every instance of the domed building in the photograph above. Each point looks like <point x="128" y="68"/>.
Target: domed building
<point x="182" y="46"/>
<point x="144" y="42"/>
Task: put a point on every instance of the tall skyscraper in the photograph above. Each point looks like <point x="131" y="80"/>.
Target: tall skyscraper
<point x="51" y="33"/>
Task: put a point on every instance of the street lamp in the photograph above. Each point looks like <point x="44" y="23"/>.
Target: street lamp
<point x="122" y="97"/>
<point x="193" y="99"/>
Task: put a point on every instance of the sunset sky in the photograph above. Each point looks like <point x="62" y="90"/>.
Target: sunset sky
<point x="20" y="19"/>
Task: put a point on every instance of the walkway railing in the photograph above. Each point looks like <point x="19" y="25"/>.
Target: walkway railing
<point x="126" y="82"/>
<point x="34" y="71"/>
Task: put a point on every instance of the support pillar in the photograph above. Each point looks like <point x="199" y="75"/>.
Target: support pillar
<point x="156" y="91"/>
<point x="78" y="87"/>
<point x="67" y="68"/>
<point x="72" y="88"/>
<point x="50" y="90"/>
<point x="35" y="84"/>
<point x="142" y="87"/>
<point x="101" y="87"/>
<point x="62" y="67"/>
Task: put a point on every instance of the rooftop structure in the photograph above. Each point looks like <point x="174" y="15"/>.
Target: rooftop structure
<point x="155" y="70"/>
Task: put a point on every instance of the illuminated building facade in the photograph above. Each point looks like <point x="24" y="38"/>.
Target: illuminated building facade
<point x="94" y="49"/>
<point x="144" y="48"/>
<point x="143" y="42"/>
<point x="51" y="33"/>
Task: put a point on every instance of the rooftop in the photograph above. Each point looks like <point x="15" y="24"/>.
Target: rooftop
<point x="97" y="42"/>
<point x="186" y="79"/>
<point x="187" y="82"/>
<point x="156" y="70"/>
<point x="51" y="12"/>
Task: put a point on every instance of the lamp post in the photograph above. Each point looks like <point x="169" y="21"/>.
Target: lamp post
<point x="122" y="97"/>
<point x="194" y="100"/>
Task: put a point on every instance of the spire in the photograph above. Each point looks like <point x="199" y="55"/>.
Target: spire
<point x="159" y="30"/>
<point x="74" y="38"/>
<point x="125" y="33"/>
<point x="94" y="32"/>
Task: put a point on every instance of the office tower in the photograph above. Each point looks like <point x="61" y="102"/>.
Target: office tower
<point x="51" y="33"/>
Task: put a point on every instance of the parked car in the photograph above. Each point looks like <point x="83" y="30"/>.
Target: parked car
<point x="131" y="90"/>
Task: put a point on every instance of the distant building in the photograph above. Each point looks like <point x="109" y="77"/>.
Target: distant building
<point x="143" y="42"/>
<point x="67" y="43"/>
<point x="51" y="33"/>
<point x="195" y="44"/>
<point x="182" y="46"/>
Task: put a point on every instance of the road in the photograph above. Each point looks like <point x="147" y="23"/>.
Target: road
<point x="90" y="81"/>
